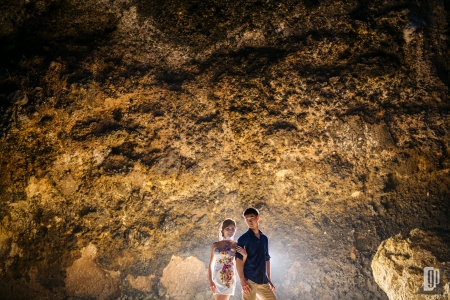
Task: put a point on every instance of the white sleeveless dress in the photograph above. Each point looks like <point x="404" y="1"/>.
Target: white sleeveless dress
<point x="224" y="273"/>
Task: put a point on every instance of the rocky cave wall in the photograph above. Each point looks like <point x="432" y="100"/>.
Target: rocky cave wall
<point x="130" y="129"/>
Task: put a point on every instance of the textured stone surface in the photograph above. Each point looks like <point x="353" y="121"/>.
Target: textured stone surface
<point x="142" y="283"/>
<point x="183" y="278"/>
<point x="137" y="126"/>
<point x="398" y="266"/>
<point x="85" y="278"/>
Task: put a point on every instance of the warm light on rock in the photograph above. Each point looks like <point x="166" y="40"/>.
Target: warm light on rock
<point x="184" y="278"/>
<point x="399" y="264"/>
<point x="142" y="283"/>
<point x="130" y="129"/>
<point x="86" y="278"/>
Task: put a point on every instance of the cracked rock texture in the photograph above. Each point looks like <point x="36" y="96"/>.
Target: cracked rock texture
<point x="85" y="278"/>
<point x="130" y="129"/>
<point x="398" y="266"/>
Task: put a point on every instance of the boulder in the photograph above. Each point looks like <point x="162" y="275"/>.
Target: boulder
<point x="415" y="266"/>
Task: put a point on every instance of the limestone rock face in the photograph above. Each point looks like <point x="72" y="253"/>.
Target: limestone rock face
<point x="398" y="266"/>
<point x="85" y="278"/>
<point x="142" y="283"/>
<point x="136" y="127"/>
<point x="184" y="278"/>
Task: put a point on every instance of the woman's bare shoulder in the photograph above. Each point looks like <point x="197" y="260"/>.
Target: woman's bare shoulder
<point x="234" y="244"/>
<point x="216" y="244"/>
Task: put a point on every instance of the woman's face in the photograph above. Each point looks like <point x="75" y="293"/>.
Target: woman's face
<point x="229" y="231"/>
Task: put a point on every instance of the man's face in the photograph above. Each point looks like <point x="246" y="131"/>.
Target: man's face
<point x="251" y="220"/>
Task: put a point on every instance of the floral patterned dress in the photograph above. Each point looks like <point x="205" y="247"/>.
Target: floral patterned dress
<point x="224" y="271"/>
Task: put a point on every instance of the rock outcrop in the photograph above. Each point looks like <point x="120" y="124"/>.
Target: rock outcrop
<point x="400" y="262"/>
<point x="135" y="127"/>
<point x="86" y="278"/>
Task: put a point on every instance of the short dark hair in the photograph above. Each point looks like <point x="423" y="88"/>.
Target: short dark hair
<point x="250" y="211"/>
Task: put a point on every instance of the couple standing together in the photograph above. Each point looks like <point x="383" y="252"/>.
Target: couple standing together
<point x="251" y="254"/>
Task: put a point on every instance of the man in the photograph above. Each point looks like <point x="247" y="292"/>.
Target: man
<point x="255" y="272"/>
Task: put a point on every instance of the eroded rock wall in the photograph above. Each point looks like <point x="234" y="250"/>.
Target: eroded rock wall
<point x="135" y="127"/>
<point x="400" y="262"/>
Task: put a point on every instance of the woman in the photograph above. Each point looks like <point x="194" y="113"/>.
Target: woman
<point x="221" y="271"/>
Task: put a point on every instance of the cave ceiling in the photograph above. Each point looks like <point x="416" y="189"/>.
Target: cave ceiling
<point x="129" y="129"/>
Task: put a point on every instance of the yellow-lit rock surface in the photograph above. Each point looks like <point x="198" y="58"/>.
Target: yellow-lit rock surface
<point x="142" y="283"/>
<point x="135" y="127"/>
<point x="85" y="278"/>
<point x="398" y="266"/>
<point x="184" y="278"/>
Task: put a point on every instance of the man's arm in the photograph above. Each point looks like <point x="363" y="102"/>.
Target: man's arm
<point x="268" y="275"/>
<point x="240" y="268"/>
<point x="268" y="266"/>
<point x="240" y="271"/>
<point x="240" y="261"/>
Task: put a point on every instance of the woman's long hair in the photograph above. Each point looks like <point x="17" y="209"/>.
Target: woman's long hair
<point x="225" y="224"/>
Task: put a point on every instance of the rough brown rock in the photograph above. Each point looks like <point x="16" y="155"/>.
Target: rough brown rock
<point x="137" y="126"/>
<point x="86" y="278"/>
<point x="398" y="266"/>
<point x="184" y="278"/>
<point x="142" y="283"/>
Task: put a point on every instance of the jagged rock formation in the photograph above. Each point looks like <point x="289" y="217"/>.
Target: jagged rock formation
<point x="85" y="278"/>
<point x="134" y="127"/>
<point x="398" y="265"/>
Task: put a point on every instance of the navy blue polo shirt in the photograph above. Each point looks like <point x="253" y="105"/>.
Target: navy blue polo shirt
<point x="257" y="255"/>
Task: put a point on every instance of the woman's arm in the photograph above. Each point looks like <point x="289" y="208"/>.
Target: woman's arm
<point x="212" y="286"/>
